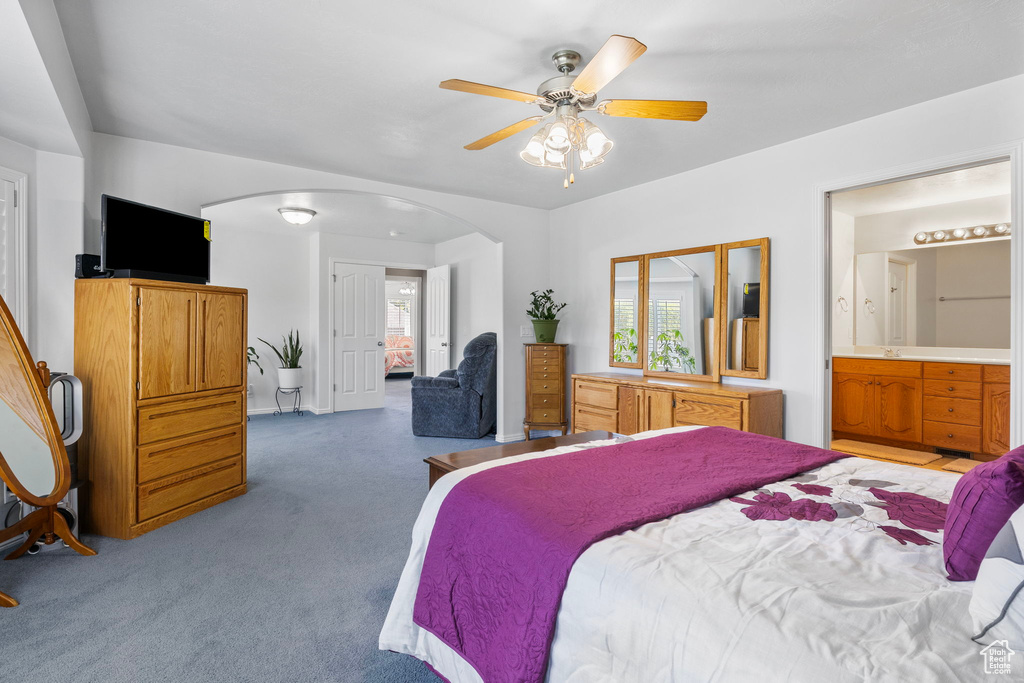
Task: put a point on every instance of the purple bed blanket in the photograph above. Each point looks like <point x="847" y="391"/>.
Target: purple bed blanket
<point x="506" y="538"/>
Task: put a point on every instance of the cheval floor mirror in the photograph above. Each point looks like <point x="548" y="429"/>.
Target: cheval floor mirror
<point x="33" y="461"/>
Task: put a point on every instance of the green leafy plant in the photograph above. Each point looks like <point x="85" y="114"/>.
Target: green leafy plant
<point x="543" y="306"/>
<point x="624" y="348"/>
<point x="670" y="351"/>
<point x="253" y="358"/>
<point x="290" y="352"/>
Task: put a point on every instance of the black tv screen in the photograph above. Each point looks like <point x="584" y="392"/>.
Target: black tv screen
<point x="146" y="242"/>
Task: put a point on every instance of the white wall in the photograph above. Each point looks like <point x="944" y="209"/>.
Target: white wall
<point x="842" y="280"/>
<point x="896" y="229"/>
<point x="476" y="288"/>
<point x="869" y="298"/>
<point x="275" y="270"/>
<point x="767" y="193"/>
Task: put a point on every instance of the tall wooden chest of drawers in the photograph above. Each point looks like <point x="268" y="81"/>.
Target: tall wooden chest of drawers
<point x="545" y="388"/>
<point x="162" y="366"/>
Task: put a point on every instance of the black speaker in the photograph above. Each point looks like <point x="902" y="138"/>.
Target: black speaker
<point x="88" y="265"/>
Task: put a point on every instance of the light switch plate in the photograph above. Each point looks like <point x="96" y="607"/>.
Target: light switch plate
<point x="525" y="331"/>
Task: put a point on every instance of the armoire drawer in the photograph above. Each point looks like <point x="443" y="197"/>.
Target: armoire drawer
<point x="691" y="412"/>
<point x="586" y="418"/>
<point x="173" y="492"/>
<point x="170" y="457"/>
<point x="546" y="386"/>
<point x="551" y="352"/>
<point x="957" y="437"/>
<point x="181" y="418"/>
<point x="541" y="375"/>
<point x="546" y="415"/>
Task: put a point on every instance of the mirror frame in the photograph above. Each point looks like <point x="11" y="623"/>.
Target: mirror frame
<point x="715" y="353"/>
<point x="61" y="465"/>
<point x="723" y="331"/>
<point x="641" y="314"/>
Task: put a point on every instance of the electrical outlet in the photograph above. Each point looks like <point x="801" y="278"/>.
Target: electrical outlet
<point x="251" y="390"/>
<point x="525" y="331"/>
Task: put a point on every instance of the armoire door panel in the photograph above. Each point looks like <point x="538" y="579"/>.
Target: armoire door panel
<point x="219" y="340"/>
<point x="853" y="403"/>
<point x="166" y="338"/>
<point x="996" y="425"/>
<point x="899" y="408"/>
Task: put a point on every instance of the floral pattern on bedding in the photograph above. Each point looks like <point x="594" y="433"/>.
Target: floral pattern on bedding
<point x="867" y="499"/>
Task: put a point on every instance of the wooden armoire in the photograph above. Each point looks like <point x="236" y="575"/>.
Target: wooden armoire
<point x="162" y="366"/>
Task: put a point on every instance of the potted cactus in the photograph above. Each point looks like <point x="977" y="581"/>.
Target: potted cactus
<point x="289" y="374"/>
<point x="542" y="311"/>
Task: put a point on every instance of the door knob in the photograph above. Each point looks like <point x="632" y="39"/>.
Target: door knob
<point x="380" y="343"/>
<point x="444" y="343"/>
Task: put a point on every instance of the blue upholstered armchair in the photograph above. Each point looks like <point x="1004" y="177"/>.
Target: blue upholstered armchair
<point x="462" y="403"/>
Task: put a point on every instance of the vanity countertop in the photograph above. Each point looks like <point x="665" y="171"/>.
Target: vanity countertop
<point x="932" y="359"/>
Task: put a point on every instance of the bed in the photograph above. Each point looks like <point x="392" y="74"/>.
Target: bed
<point x="399" y="352"/>
<point x="835" y="574"/>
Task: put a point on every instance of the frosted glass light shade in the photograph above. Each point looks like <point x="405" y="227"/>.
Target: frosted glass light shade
<point x="297" y="216"/>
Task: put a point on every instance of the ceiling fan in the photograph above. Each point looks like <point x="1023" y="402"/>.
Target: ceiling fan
<point x="570" y="139"/>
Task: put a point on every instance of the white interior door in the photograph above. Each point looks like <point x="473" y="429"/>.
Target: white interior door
<point x="438" y="318"/>
<point x="6" y="237"/>
<point x="897" y="305"/>
<point x="358" y="336"/>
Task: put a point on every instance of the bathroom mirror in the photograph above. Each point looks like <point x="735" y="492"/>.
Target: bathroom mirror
<point x="949" y="295"/>
<point x="33" y="462"/>
<point x="626" y="296"/>
<point x="745" y="309"/>
<point x="680" y="318"/>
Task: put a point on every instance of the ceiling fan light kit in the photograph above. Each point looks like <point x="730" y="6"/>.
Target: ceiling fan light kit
<point x="296" y="215"/>
<point x="571" y="141"/>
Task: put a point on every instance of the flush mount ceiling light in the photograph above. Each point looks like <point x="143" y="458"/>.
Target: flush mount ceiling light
<point x="571" y="141"/>
<point x="407" y="289"/>
<point x="296" y="216"/>
<point x="963" y="234"/>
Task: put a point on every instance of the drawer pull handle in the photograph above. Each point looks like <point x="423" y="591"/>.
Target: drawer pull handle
<point x="204" y="474"/>
<point x="545" y="386"/>
<point x="190" y="410"/>
<point x="951" y="372"/>
<point x="949" y="436"/>
<point x="951" y="388"/>
<point x="194" y="443"/>
<point x="950" y="410"/>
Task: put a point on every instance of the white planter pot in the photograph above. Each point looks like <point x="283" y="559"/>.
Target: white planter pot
<point x="289" y="378"/>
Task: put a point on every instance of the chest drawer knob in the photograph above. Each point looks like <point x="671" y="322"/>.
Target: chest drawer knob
<point x="949" y="436"/>
<point x="951" y="372"/>
<point x="951" y="388"/>
<point x="950" y="410"/>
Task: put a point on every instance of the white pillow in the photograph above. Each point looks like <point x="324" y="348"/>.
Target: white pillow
<point x="997" y="605"/>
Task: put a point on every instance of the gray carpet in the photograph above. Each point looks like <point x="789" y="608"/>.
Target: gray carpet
<point x="289" y="582"/>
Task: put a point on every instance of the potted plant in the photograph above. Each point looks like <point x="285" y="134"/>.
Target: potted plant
<point x="670" y="351"/>
<point x="288" y="375"/>
<point x="253" y="358"/>
<point x="624" y="349"/>
<point x="543" y="311"/>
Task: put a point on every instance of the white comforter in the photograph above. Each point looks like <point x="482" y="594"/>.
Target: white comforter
<point x="711" y="595"/>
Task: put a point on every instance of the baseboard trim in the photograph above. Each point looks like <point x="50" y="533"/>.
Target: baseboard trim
<point x="286" y="410"/>
<point x="510" y="438"/>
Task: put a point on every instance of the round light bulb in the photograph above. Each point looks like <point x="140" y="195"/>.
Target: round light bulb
<point x="597" y="143"/>
<point x="979" y="231"/>
<point x="558" y="138"/>
<point x="939" y="235"/>
<point x="533" y="153"/>
<point x="921" y="237"/>
<point x="960" y="233"/>
<point x="1002" y="228"/>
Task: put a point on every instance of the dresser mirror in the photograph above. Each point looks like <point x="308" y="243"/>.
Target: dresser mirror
<point x="744" y="332"/>
<point x="625" y="307"/>
<point x="670" y="309"/>
<point x="680" y="316"/>
<point x="33" y="462"/>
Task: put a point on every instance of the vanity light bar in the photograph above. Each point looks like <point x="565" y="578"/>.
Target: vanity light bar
<point x="960" y="234"/>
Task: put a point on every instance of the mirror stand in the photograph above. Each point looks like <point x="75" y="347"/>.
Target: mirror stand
<point x="7" y="601"/>
<point x="48" y="524"/>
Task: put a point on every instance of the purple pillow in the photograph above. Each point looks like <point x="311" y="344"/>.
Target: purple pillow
<point x="983" y="501"/>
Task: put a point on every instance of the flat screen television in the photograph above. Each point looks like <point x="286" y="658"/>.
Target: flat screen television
<point x="146" y="242"/>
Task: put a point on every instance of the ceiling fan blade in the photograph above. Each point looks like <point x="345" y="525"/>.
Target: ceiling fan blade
<point x="676" y="110"/>
<point x="493" y="91"/>
<point x="615" y="55"/>
<point x="504" y="133"/>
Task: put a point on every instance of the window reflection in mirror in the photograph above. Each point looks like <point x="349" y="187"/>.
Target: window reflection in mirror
<point x="625" y="349"/>
<point x="680" y="313"/>
<point x="743" y="292"/>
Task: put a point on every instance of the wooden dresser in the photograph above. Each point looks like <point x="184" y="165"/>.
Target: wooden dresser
<point x="627" y="404"/>
<point x="545" y="388"/>
<point x="162" y="366"/>
<point x="923" y="405"/>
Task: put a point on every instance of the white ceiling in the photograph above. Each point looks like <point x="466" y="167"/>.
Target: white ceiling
<point x="30" y="112"/>
<point x="344" y="213"/>
<point x="351" y="87"/>
<point x="991" y="180"/>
